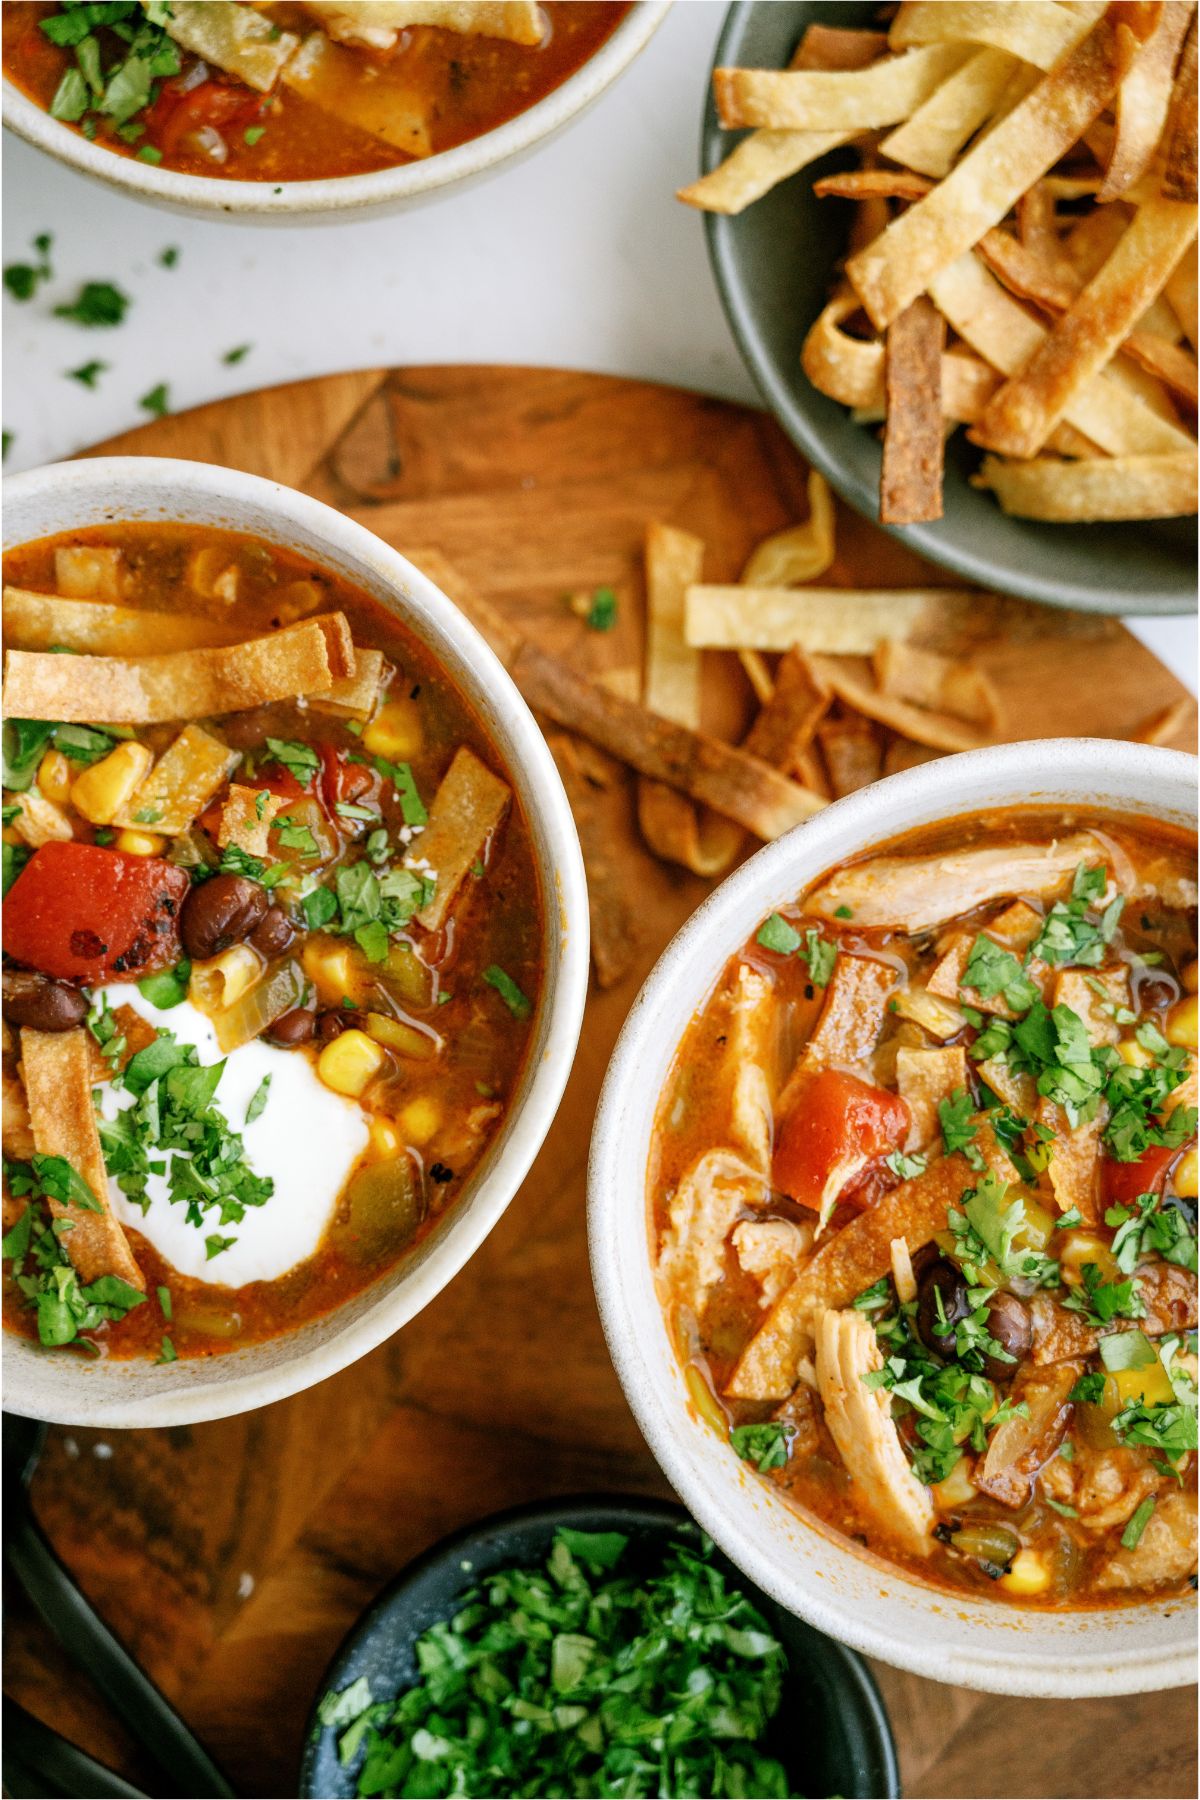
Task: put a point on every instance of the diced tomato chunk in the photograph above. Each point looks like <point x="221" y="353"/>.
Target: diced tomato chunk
<point x="342" y="782"/>
<point x="836" y="1117"/>
<point x="181" y="109"/>
<point x="1124" y="1181"/>
<point x="88" y="914"/>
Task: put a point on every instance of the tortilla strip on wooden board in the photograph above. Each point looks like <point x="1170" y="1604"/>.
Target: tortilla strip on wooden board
<point x="183" y="684"/>
<point x="1073" y="1173"/>
<point x="674" y="827"/>
<point x="939" y="683"/>
<point x="1023" y="412"/>
<point x="828" y="621"/>
<point x="34" y="621"/>
<point x="938" y="730"/>
<point x="852" y="751"/>
<point x="615" y="936"/>
<point x="56" y="1068"/>
<point x="850" y="1260"/>
<point x="784" y="728"/>
<point x="985" y="185"/>
<point x="468" y="807"/>
<point x="910" y="476"/>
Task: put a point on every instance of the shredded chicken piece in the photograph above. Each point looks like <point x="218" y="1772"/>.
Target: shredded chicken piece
<point x="1019" y="1447"/>
<point x="751" y="1026"/>
<point x="769" y="1249"/>
<point x="707" y="1204"/>
<point x="860" y="1422"/>
<point x="1165" y="1553"/>
<point x="913" y="893"/>
<point x="1110" y="1486"/>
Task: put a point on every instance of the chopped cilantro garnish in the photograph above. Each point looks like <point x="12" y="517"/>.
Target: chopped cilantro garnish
<point x="168" y="258"/>
<point x="843" y="912"/>
<point x="258" y="1100"/>
<point x="1131" y="1537"/>
<point x="88" y="373"/>
<point x="22" y="280"/>
<point x="164" y="1302"/>
<point x="776" y="934"/>
<point x="318" y="907"/>
<point x="991" y="971"/>
<point x="46" y="1280"/>
<point x="906" y="1167"/>
<point x="97" y="303"/>
<point x="252" y="134"/>
<point x="601" y="615"/>
<point x="300" y="760"/>
<point x="517" y="1003"/>
<point x="1102" y="1301"/>
<point x="157" y="401"/>
<point x="766" y="1446"/>
<point x="169" y="988"/>
<point x="215" y="1244"/>
<point x="957" y="1116"/>
<point x="1068" y="934"/>
<point x="237" y="354"/>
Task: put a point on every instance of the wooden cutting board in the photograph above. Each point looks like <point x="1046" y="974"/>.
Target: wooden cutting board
<point x="231" y="1557"/>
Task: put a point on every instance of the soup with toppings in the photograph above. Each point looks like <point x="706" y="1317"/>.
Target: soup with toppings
<point x="923" y="1191"/>
<point x="273" y="941"/>
<point x="296" y="92"/>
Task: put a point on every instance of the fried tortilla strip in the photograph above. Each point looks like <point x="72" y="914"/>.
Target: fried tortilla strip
<point x="331" y="79"/>
<point x="939" y="683"/>
<point x="1126" y="487"/>
<point x="765" y="158"/>
<point x="1181" y="296"/>
<point x="1179" y="180"/>
<point x="354" y="696"/>
<point x="1144" y="100"/>
<point x="1164" y="725"/>
<point x="851" y="1020"/>
<point x="857" y="691"/>
<point x="901" y="754"/>
<point x="1014" y="930"/>
<point x="850" y="1260"/>
<point x="1029" y="29"/>
<point x="729" y="780"/>
<point x="672" y="825"/>
<point x="246" y="819"/>
<point x="56" y="1069"/>
<point x="784" y="729"/>
<point x="192" y="684"/>
<point x="1105" y="410"/>
<point x="234" y="38"/>
<point x="35" y="621"/>
<point x="835" y="621"/>
<point x="468" y="807"/>
<point x="910" y="477"/>
<point x="1073" y="1175"/>
<point x="378" y="23"/>
<point x="872" y="184"/>
<point x="850" y="369"/>
<point x="1021" y="414"/>
<point x="915" y="893"/>
<point x="888" y="274"/>
<point x="924" y="1078"/>
<point x="615" y="935"/>
<point x="860" y="1422"/>
<point x="801" y="552"/>
<point x="834" y="100"/>
<point x="931" y="139"/>
<point x="181" y="784"/>
<point x="853" y="754"/>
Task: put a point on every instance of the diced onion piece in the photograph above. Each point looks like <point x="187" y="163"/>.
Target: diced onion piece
<point x="258" y="1008"/>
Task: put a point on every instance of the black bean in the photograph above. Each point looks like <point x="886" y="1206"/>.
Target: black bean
<point x="42" y="1003"/>
<point x="937" y="1329"/>
<point x="1009" y="1322"/>
<point x="331" y="1024"/>
<point x="295" y="1027"/>
<point x="273" y="933"/>
<point x="219" y="913"/>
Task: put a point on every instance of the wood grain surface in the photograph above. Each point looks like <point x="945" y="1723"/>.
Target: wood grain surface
<point x="232" y="1557"/>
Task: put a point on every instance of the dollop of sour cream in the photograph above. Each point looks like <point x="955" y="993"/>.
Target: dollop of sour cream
<point x="306" y="1138"/>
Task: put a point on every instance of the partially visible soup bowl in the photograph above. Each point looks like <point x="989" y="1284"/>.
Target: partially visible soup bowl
<point x="343" y="197"/>
<point x="849" y="1593"/>
<point x="65" y="1388"/>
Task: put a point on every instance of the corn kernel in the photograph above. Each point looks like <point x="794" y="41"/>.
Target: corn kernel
<point x="330" y="966"/>
<point x="54" y="777"/>
<point x="220" y="981"/>
<point x="349" y="1062"/>
<point x="420" y="1119"/>
<point x="1190" y="976"/>
<point x="140" y="843"/>
<point x="1182" y="1022"/>
<point x="1186" y="1175"/>
<point x="1028" y="1574"/>
<point x="957" y="1488"/>
<point x="385" y="1139"/>
<point x="1082" y="1247"/>
<point x="105" y="789"/>
<point x="394" y="732"/>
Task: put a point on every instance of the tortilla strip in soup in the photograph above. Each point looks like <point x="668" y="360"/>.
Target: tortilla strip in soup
<point x="226" y="951"/>
<point x="950" y="1307"/>
<point x="291" y="92"/>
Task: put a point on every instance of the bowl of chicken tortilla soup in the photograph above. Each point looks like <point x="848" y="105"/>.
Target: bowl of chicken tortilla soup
<point x="893" y="1218"/>
<point x="295" y="942"/>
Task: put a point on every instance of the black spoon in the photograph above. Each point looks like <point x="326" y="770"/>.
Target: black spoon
<point x="186" y="1766"/>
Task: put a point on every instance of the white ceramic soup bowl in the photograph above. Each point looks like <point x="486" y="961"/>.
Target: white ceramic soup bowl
<point x="806" y="1567"/>
<point x="343" y="196"/>
<point x="67" y="1389"/>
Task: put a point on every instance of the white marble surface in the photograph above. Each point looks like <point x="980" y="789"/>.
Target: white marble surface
<point x="578" y="257"/>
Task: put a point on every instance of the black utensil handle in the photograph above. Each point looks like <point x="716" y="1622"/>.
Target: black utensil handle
<point x="154" y="1722"/>
<point x="39" y="1764"/>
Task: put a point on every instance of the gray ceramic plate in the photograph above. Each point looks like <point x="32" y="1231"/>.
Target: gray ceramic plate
<point x="773" y="265"/>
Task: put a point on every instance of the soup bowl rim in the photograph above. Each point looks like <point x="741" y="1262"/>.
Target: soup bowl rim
<point x="110" y="490"/>
<point x="342" y="196"/>
<point x="853" y="1595"/>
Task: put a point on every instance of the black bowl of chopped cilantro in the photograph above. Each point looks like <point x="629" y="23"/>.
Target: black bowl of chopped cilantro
<point x="591" y="1646"/>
